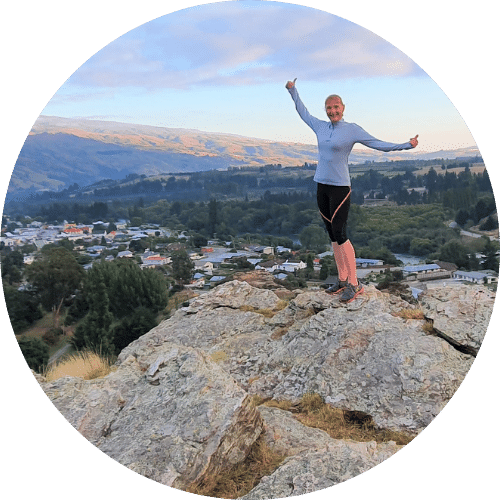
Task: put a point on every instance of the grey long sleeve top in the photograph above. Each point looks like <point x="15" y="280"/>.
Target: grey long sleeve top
<point x="335" y="142"/>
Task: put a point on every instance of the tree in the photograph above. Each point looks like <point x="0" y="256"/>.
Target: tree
<point x="23" y="308"/>
<point x="212" y="216"/>
<point x="130" y="287"/>
<point x="56" y="275"/>
<point x="198" y="240"/>
<point x="94" y="333"/>
<point x="455" y="252"/>
<point x="324" y="272"/>
<point x="489" y="224"/>
<point x="462" y="217"/>
<point x="313" y="238"/>
<point x="182" y="267"/>
<point x="490" y="255"/>
<point x="132" y="327"/>
<point x="35" y="352"/>
<point x="12" y="264"/>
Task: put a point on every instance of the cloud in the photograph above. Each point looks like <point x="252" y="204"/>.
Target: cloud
<point x="242" y="43"/>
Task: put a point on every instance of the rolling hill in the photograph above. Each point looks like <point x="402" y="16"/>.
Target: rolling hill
<point x="59" y="152"/>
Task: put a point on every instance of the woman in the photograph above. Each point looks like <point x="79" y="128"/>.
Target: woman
<point x="336" y="139"/>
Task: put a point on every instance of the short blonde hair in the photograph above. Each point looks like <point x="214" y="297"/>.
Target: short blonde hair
<point x="332" y="96"/>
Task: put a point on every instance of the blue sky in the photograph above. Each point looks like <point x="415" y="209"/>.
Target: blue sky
<point x="222" y="68"/>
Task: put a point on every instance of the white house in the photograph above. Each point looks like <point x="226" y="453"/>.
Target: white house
<point x="475" y="277"/>
<point x="125" y="254"/>
<point x="290" y="267"/>
<point x="28" y="259"/>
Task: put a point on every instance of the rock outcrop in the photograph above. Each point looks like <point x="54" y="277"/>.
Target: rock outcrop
<point x="177" y="406"/>
<point x="315" y="460"/>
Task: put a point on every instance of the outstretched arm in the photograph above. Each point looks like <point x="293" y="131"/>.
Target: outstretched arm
<point x="368" y="140"/>
<point x="301" y="109"/>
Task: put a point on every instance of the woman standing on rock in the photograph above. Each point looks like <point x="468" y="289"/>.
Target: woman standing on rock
<point x="336" y="139"/>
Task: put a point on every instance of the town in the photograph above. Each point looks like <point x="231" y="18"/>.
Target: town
<point x="150" y="246"/>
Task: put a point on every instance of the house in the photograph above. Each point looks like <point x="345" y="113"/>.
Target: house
<point x="475" y="277"/>
<point x="425" y="272"/>
<point x="281" y="249"/>
<point x="291" y="267"/>
<point x="325" y="254"/>
<point x="260" y="249"/>
<point x="269" y="265"/>
<point x="369" y="262"/>
<point x="125" y="254"/>
<point x="217" y="279"/>
<point x="73" y="231"/>
<point x="156" y="260"/>
<point x="448" y="266"/>
<point x="205" y="266"/>
<point x="28" y="259"/>
<point x="9" y="242"/>
<point x="254" y="262"/>
<point x="96" y="249"/>
<point x="197" y="283"/>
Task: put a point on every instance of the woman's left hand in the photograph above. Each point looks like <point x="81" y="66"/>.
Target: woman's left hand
<point x="414" y="142"/>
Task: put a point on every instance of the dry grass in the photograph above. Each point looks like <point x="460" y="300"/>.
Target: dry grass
<point x="261" y="461"/>
<point x="243" y="477"/>
<point x="266" y="312"/>
<point x="279" y="333"/>
<point x="87" y="365"/>
<point x="428" y="327"/>
<point x="344" y="424"/>
<point x="282" y="304"/>
<point x="410" y="314"/>
<point x="282" y="405"/>
<point x="218" y="356"/>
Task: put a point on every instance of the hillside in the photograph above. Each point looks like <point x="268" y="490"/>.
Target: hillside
<point x="59" y="152"/>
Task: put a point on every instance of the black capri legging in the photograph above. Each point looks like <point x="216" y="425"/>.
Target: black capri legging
<point x="333" y="204"/>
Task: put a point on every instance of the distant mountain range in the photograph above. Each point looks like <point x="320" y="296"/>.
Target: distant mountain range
<point x="60" y="152"/>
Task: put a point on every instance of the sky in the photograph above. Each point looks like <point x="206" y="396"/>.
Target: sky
<point x="222" y="67"/>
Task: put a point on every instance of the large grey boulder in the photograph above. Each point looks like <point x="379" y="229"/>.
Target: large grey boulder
<point x="172" y="415"/>
<point x="461" y="312"/>
<point x="358" y="356"/>
<point x="177" y="405"/>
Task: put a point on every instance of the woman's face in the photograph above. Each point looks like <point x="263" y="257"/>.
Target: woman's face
<point x="334" y="109"/>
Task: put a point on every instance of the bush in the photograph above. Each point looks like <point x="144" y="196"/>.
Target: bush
<point x="52" y="336"/>
<point x="35" y="352"/>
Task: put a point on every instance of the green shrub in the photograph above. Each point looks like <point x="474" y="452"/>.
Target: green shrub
<point x="35" y="352"/>
<point x="52" y="336"/>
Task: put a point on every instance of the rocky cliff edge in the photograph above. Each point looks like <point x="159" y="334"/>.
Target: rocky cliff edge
<point x="178" y="408"/>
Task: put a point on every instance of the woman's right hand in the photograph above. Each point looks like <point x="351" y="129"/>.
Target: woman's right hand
<point x="289" y="84"/>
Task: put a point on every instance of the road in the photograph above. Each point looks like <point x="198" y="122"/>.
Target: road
<point x="64" y="349"/>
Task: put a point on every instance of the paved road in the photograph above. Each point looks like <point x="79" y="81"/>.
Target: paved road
<point x="59" y="353"/>
<point x="475" y="235"/>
